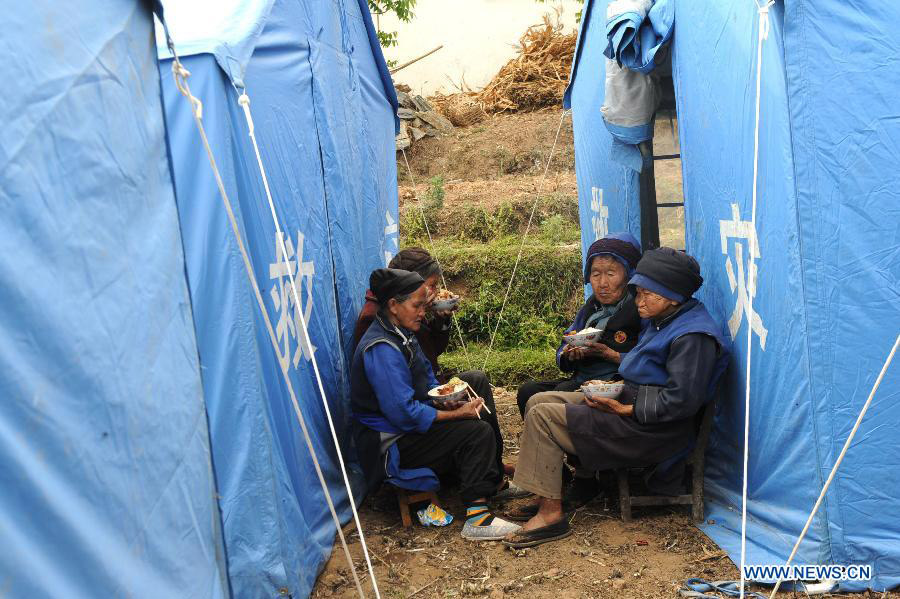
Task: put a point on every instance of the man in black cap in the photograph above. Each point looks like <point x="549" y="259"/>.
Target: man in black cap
<point x="669" y="375"/>
<point x="400" y="433"/>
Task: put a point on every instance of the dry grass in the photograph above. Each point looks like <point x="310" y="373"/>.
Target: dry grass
<point x="535" y="78"/>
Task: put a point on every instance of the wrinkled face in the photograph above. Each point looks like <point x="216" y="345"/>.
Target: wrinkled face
<point x="431" y="287"/>
<point x="652" y="305"/>
<point x="607" y="279"/>
<point x="409" y="313"/>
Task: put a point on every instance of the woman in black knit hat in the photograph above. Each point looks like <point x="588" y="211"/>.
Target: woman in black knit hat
<point x="669" y="375"/>
<point x="400" y="432"/>
<point x="609" y="264"/>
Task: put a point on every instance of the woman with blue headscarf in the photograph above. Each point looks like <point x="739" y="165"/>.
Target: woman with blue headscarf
<point x="609" y="265"/>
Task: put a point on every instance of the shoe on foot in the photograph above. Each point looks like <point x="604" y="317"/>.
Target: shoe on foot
<point x="580" y="492"/>
<point x="538" y="536"/>
<point x="482" y="525"/>
<point x="523" y="513"/>
<point x="510" y="491"/>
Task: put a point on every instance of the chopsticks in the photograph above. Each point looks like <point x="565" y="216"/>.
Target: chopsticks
<point x="473" y="395"/>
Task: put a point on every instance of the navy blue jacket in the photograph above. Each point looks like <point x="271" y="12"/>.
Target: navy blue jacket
<point x="669" y="375"/>
<point x="389" y="382"/>
<point x="621" y="334"/>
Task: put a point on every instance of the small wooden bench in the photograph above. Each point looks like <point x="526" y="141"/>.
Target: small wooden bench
<point x="405" y="498"/>
<point x="696" y="461"/>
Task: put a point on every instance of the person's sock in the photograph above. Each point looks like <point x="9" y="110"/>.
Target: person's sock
<point x="479" y="515"/>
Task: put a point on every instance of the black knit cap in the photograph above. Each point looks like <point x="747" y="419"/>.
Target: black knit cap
<point x="673" y="270"/>
<point x="621" y="246"/>
<point x="414" y="259"/>
<point x="388" y="283"/>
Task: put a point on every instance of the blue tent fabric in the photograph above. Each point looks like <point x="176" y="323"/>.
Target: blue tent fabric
<point x="105" y="465"/>
<point x="325" y="123"/>
<point x="608" y="197"/>
<point x="826" y="276"/>
<point x="825" y="306"/>
<point x="636" y="36"/>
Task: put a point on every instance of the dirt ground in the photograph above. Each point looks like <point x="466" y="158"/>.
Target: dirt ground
<point x="503" y="144"/>
<point x="503" y="159"/>
<point x="648" y="558"/>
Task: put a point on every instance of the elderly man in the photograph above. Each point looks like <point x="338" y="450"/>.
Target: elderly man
<point x="669" y="375"/>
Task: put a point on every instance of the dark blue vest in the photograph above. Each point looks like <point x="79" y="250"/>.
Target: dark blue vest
<point x="369" y="422"/>
<point x="646" y="363"/>
<point x="362" y="397"/>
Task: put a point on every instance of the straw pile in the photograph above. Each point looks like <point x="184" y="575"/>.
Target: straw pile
<point x="535" y="78"/>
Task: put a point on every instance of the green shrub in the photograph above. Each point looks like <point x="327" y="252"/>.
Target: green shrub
<point x="413" y="229"/>
<point x="476" y="224"/>
<point x="555" y="229"/>
<point x="505" y="367"/>
<point x="544" y="297"/>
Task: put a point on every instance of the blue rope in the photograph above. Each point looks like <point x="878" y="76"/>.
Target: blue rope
<point x="697" y="588"/>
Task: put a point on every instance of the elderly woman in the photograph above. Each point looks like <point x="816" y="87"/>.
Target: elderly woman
<point x="398" y="430"/>
<point x="433" y="335"/>
<point x="669" y="375"/>
<point x="609" y="264"/>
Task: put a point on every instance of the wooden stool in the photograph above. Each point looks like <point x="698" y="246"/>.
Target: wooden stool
<point x="695" y="460"/>
<point x="404" y="498"/>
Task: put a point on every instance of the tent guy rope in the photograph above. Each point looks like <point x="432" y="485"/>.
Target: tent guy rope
<point x="181" y="74"/>
<point x="412" y="180"/>
<point x="244" y="102"/>
<point x="762" y="35"/>
<point x="512" y="278"/>
<point x="837" y="463"/>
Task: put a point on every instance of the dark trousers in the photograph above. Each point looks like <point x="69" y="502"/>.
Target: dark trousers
<point x="533" y="387"/>
<point x="481" y="385"/>
<point x="465" y="448"/>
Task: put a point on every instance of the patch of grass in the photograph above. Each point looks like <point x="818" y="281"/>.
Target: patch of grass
<point x="555" y="219"/>
<point x="506" y="367"/>
<point x="556" y="230"/>
<point x="545" y="294"/>
<point x="412" y="226"/>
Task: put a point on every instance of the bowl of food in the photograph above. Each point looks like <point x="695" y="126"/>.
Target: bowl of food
<point x="445" y="300"/>
<point x="602" y="389"/>
<point x="452" y="390"/>
<point x="583" y="337"/>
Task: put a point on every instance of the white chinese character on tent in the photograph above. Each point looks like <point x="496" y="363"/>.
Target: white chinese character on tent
<point x="743" y="284"/>
<point x="289" y="326"/>
<point x="391" y="236"/>
<point x="600" y="218"/>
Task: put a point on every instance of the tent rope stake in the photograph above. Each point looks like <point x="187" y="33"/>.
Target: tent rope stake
<point x="412" y="180"/>
<point x="512" y="278"/>
<point x="762" y="35"/>
<point x="181" y="74"/>
<point x="837" y="463"/>
<point x="244" y="102"/>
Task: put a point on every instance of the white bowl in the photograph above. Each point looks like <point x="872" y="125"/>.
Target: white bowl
<point x="459" y="394"/>
<point x="445" y="304"/>
<point x="604" y="389"/>
<point x="581" y="339"/>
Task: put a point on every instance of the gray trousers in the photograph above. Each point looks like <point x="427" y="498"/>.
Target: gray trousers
<point x="545" y="443"/>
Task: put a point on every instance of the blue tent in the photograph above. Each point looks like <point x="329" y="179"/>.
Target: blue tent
<point x="107" y="486"/>
<point x="324" y="111"/>
<point x="825" y="295"/>
<point x="608" y="192"/>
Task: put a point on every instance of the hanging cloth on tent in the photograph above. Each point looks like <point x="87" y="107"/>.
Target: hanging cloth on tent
<point x="636" y="31"/>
